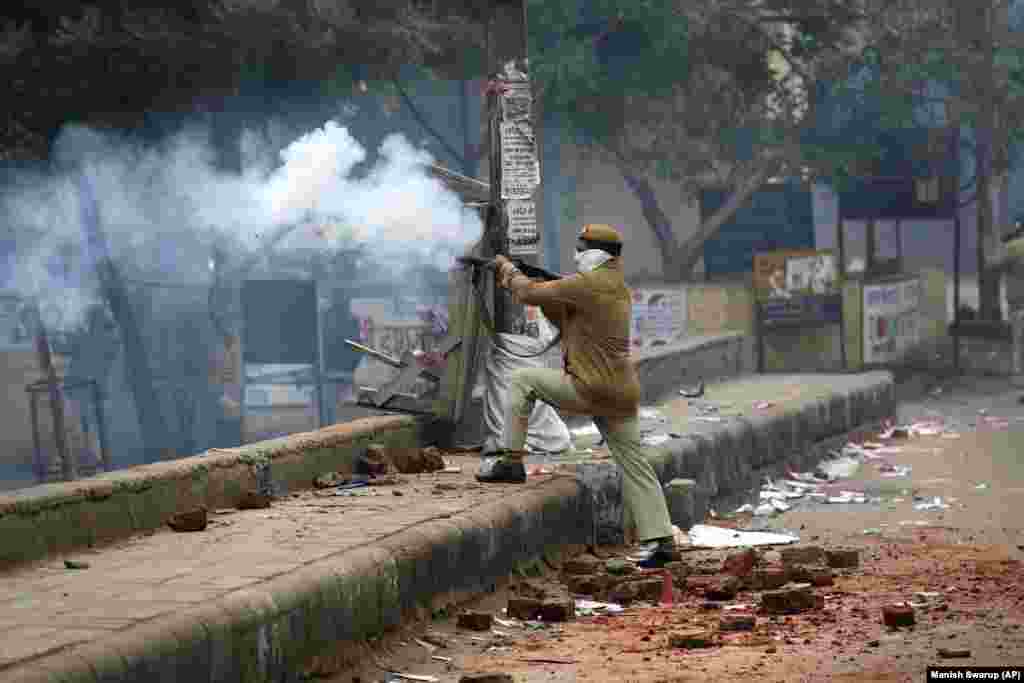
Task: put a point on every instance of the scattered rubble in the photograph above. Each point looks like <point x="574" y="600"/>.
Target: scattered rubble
<point x="737" y="622"/>
<point x="475" y="621"/>
<point x="193" y="520"/>
<point x="75" y="564"/>
<point x="691" y="639"/>
<point x="898" y="616"/>
<point x="329" y="480"/>
<point x="487" y="678"/>
<point x="407" y="460"/>
<point x="842" y="558"/>
<point x="791" y="598"/>
<point x="953" y="653"/>
<point x="254" y="500"/>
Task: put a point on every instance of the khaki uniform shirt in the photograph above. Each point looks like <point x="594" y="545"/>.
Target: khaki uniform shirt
<point x="594" y="313"/>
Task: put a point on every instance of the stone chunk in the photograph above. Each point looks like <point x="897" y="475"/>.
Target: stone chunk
<point x="475" y="621"/>
<point x="737" y="622"/>
<point x="532" y="609"/>
<point x="254" y="500"/>
<point x="406" y="460"/>
<point x="898" y="616"/>
<point x="816" y="575"/>
<point x="646" y="590"/>
<point x="193" y="520"/>
<point x="842" y="558"/>
<point x="803" y="554"/>
<point x="791" y="598"/>
<point x="740" y="563"/>
<point x="487" y="678"/>
<point x="714" y="587"/>
<point x="583" y="564"/>
<point x="329" y="480"/>
<point x="691" y="639"/>
<point x="558" y="610"/>
<point x="525" y="609"/>
<point x="588" y="584"/>
<point x="768" y="578"/>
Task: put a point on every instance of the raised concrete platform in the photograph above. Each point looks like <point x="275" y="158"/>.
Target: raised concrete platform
<point x="262" y="594"/>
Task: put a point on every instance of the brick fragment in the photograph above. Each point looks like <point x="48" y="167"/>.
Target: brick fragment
<point x="487" y="678"/>
<point x="588" y="584"/>
<point x="737" y="622"/>
<point x="816" y="575"/>
<point x="791" y="598"/>
<point x="768" y="578"/>
<point x="740" y="563"/>
<point x="691" y="639"/>
<point x="646" y="590"/>
<point x="558" y="610"/>
<point x="898" y="616"/>
<point x="193" y="520"/>
<point x="842" y="558"/>
<point x="475" y="621"/>
<point x="803" y="554"/>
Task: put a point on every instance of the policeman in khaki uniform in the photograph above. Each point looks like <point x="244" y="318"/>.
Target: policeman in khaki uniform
<point x="593" y="310"/>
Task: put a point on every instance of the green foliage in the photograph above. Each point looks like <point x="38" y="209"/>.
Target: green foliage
<point x="584" y="53"/>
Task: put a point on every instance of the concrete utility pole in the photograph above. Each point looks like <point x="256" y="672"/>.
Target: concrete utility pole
<point x="512" y="150"/>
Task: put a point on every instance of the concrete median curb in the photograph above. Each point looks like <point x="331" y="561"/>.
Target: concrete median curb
<point x="310" y="617"/>
<point x="286" y="624"/>
<point x="724" y="460"/>
<point x="53" y="518"/>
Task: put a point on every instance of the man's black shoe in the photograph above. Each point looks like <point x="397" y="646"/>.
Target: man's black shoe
<point x="502" y="472"/>
<point x="655" y="554"/>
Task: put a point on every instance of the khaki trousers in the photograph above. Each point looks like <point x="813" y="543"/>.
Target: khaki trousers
<point x="641" y="489"/>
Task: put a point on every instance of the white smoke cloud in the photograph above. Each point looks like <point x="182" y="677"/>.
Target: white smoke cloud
<point x="163" y="207"/>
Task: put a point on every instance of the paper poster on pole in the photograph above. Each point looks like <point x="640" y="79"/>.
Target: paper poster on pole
<point x="520" y="172"/>
<point x="892" y="320"/>
<point x="523" y="235"/>
<point x="516" y="102"/>
<point x="659" y="317"/>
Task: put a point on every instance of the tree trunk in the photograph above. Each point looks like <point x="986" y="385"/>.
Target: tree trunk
<point x="988" y="278"/>
<point x="679" y="259"/>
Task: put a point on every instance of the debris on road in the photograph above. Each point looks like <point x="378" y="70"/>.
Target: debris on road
<point x="691" y="639"/>
<point x="737" y="622"/>
<point x="475" y="621"/>
<point x="586" y="608"/>
<point x="487" y="678"/>
<point x="193" y="520"/>
<point x="935" y="503"/>
<point x="75" y="564"/>
<point x="953" y="653"/>
<point x="707" y="536"/>
<point x="254" y="500"/>
<point x="898" y="616"/>
<point x="791" y="598"/>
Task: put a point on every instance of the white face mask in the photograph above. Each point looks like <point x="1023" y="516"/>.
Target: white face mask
<point x="591" y="259"/>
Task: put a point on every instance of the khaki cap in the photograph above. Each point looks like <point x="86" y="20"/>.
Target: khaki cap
<point x="599" y="232"/>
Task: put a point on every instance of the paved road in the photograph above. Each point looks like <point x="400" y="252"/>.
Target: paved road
<point x="968" y="553"/>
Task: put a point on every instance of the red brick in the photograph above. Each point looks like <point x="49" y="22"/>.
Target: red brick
<point x="475" y="621"/>
<point x="740" y="563"/>
<point x="897" y="616"/>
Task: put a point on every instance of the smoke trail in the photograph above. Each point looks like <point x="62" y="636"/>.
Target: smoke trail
<point x="163" y="207"/>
